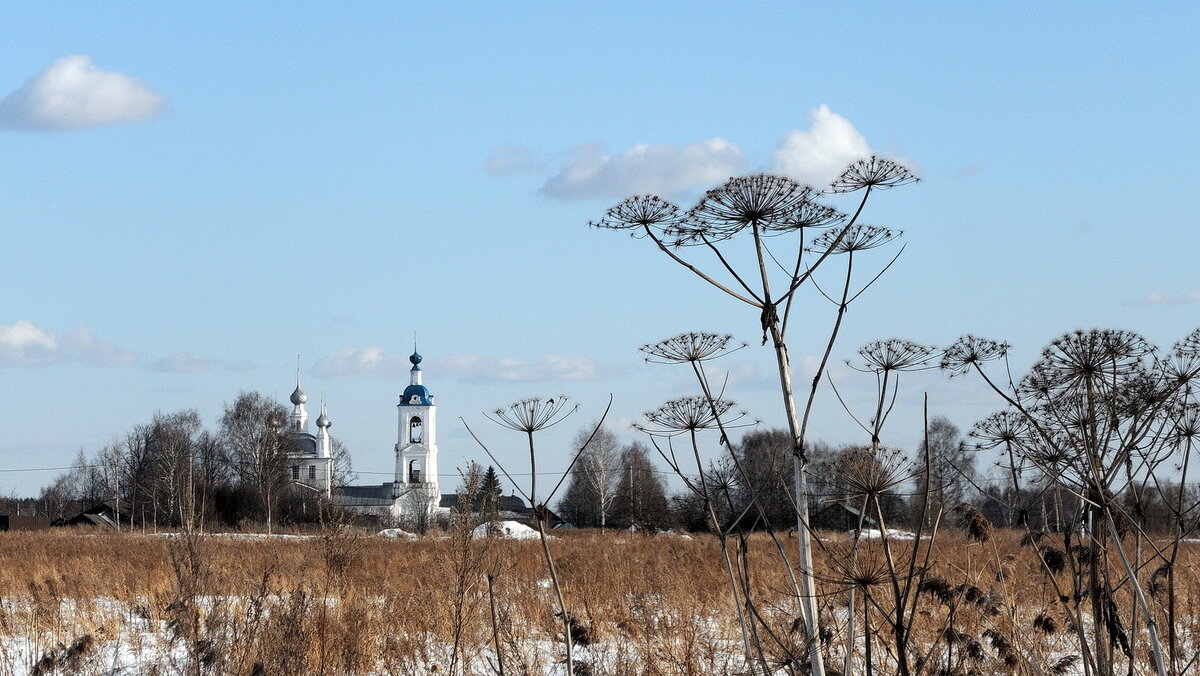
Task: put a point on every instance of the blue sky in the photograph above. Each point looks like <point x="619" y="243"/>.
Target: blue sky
<point x="192" y="196"/>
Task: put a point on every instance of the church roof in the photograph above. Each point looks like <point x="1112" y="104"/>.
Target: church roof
<point x="380" y="495"/>
<point x="364" y="496"/>
<point x="506" y="503"/>
<point x="423" y="398"/>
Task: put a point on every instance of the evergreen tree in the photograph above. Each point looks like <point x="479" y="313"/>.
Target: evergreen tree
<point x="487" y="496"/>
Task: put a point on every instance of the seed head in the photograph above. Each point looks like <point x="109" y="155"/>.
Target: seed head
<point x="874" y="172"/>
<point x="689" y="348"/>
<point x="868" y="472"/>
<point x="895" y="354"/>
<point x="854" y="238"/>
<point x="689" y="414"/>
<point x="1003" y="427"/>
<point x="763" y="200"/>
<point x="640" y="213"/>
<point x="533" y="414"/>
<point x="970" y="351"/>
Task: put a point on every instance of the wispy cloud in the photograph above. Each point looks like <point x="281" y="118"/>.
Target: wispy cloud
<point x="819" y="154"/>
<point x="376" y="362"/>
<point x="361" y="362"/>
<point x="512" y="159"/>
<point x="968" y="171"/>
<point x="589" y="171"/>
<point x="74" y="93"/>
<point x="25" y="344"/>
<point x="551" y="368"/>
<point x="187" y="362"/>
<point x="1160" y="297"/>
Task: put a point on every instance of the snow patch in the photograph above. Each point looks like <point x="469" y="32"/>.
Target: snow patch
<point x="238" y="536"/>
<point x="892" y="534"/>
<point x="396" y="533"/>
<point x="513" y="530"/>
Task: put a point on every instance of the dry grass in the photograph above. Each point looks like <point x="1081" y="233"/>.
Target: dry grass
<point x="348" y="603"/>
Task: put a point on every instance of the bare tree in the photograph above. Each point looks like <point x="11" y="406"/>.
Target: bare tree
<point x="766" y="457"/>
<point x="951" y="467"/>
<point x="594" y="482"/>
<point x="212" y="471"/>
<point x="252" y="428"/>
<point x="66" y="493"/>
<point x="343" y="469"/>
<point x="172" y="445"/>
<point x="417" y="515"/>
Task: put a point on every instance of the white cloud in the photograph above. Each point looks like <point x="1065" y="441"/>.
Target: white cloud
<point x="73" y="93"/>
<point x="662" y="169"/>
<point x="25" y="344"/>
<point x="818" y="155"/>
<point x="1160" y="297"/>
<point x="187" y="362"/>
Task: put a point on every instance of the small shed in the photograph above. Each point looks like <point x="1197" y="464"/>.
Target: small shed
<point x="100" y="514"/>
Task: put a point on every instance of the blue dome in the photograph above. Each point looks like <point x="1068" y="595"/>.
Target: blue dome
<point x="416" y="395"/>
<point x="415" y="359"/>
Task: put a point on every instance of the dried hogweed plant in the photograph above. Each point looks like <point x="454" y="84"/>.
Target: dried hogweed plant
<point x="695" y="349"/>
<point x="1097" y="417"/>
<point x="530" y="416"/>
<point x="779" y="219"/>
<point x="687" y="417"/>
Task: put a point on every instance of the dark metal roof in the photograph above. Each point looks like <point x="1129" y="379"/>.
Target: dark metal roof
<point x="380" y="495"/>
<point x="364" y="496"/>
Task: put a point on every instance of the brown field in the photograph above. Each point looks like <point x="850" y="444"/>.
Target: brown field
<point x="347" y="602"/>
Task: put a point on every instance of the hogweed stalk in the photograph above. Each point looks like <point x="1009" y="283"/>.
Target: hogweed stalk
<point x="758" y="207"/>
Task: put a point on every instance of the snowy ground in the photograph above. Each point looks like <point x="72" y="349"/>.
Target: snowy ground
<point x="126" y="643"/>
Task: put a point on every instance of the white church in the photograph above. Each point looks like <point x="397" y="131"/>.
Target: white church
<point x="310" y="457"/>
<point x="414" y="491"/>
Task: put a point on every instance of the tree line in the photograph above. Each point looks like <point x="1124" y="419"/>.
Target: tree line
<point x="615" y="485"/>
<point x="172" y="471"/>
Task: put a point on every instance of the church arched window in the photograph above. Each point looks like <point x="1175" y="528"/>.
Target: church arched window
<point x="414" y="472"/>
<point x="415" y="430"/>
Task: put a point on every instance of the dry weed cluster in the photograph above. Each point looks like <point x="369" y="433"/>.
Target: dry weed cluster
<point x="348" y="603"/>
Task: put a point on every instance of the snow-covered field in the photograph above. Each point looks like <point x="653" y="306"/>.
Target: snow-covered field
<point x="392" y="603"/>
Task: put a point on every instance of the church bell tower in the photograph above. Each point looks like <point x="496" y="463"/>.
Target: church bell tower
<point x="416" y="439"/>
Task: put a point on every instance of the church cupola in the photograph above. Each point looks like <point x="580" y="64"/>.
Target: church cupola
<point x="324" y="441"/>
<point x="299" y="417"/>
<point x="416" y="394"/>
